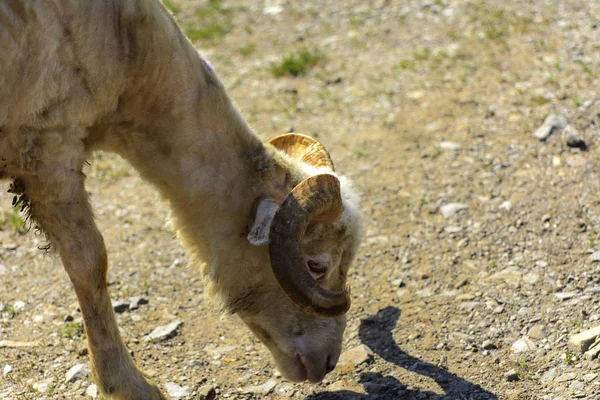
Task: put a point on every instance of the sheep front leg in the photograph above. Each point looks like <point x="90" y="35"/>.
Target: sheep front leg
<point x="60" y="207"/>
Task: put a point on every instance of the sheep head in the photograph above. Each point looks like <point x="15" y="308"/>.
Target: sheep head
<point x="312" y="237"/>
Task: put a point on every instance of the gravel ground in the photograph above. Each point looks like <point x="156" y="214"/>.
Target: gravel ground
<point x="479" y="260"/>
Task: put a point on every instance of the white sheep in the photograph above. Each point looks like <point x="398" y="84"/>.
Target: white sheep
<point x="275" y="232"/>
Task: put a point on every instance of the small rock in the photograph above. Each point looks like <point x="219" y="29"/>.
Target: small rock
<point x="92" y="391"/>
<point x="42" y="387"/>
<point x="120" y="306"/>
<point x="263" y="389"/>
<point x="217" y="351"/>
<point x="488" y="345"/>
<point x="537" y="332"/>
<point x="136" y="301"/>
<point x="512" y="375"/>
<point x="573" y="138"/>
<point x="595" y="257"/>
<point x="592" y="352"/>
<point x="577" y="386"/>
<point x="523" y="345"/>
<point x="7" y="370"/>
<point x="449" y="145"/>
<point x="589" y="377"/>
<point x="451" y="209"/>
<point x="551" y="124"/>
<point x="76" y="372"/>
<point x="19" y="305"/>
<point x="565" y="295"/>
<point x="17" y="344"/>
<point x="506" y="205"/>
<point x="355" y="356"/>
<point x="164" y="332"/>
<point x="176" y="391"/>
<point x="465" y="297"/>
<point x="207" y="392"/>
<point x="549" y="375"/>
<point x="567" y="377"/>
<point x="581" y="342"/>
<point x="531" y="278"/>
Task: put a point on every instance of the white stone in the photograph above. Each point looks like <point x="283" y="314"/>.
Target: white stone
<point x="581" y="342"/>
<point x="76" y="372"/>
<point x="92" y="391"/>
<point x="7" y="369"/>
<point x="451" y="209"/>
<point x="263" y="389"/>
<point x="176" y="391"/>
<point x="164" y="332"/>
<point x="523" y="345"/>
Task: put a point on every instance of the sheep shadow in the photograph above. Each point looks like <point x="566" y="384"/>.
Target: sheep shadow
<point x="376" y="333"/>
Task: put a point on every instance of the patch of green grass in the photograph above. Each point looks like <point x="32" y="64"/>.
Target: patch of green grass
<point x="247" y="50"/>
<point x="540" y="100"/>
<point x="13" y="220"/>
<point x="406" y="64"/>
<point x="171" y="6"/>
<point x="214" y="22"/>
<point x="422" y="53"/>
<point x="298" y="62"/>
<point x="213" y="30"/>
<point x="577" y="100"/>
<point x="71" y="329"/>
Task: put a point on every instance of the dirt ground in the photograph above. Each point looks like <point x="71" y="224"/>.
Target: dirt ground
<point x="423" y="104"/>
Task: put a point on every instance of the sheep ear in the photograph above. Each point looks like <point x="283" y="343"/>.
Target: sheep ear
<point x="259" y="234"/>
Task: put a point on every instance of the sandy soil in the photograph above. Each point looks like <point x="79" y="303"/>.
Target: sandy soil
<point x="423" y="104"/>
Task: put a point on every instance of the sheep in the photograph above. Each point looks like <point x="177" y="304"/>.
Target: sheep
<point x="274" y="226"/>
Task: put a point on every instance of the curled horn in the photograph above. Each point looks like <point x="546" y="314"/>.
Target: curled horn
<point x="303" y="148"/>
<point x="315" y="198"/>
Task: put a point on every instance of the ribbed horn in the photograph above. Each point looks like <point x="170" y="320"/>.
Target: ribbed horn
<point x="315" y="198"/>
<point x="303" y="148"/>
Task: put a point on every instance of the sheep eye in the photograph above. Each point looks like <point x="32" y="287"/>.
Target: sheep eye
<point x="318" y="268"/>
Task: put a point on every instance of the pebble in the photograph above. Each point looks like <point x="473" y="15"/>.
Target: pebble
<point x="488" y="345"/>
<point x="549" y="375"/>
<point x="7" y="370"/>
<point x="136" y="301"/>
<point x="566" y="377"/>
<point x="176" y="391"/>
<point x="537" y="332"/>
<point x="573" y="138"/>
<point x="355" y="356"/>
<point x="263" y="389"/>
<point x="207" y="392"/>
<point x="577" y="386"/>
<point x="164" y="332"/>
<point x="581" y="342"/>
<point x="92" y="391"/>
<point x="506" y="205"/>
<point x="510" y="275"/>
<point x="523" y="345"/>
<point x="551" y="124"/>
<point x="451" y="209"/>
<point x="445" y="145"/>
<point x="17" y="344"/>
<point x="42" y="387"/>
<point x="120" y="306"/>
<point x="595" y="257"/>
<point x="512" y="375"/>
<point x="76" y="372"/>
<point x="565" y="295"/>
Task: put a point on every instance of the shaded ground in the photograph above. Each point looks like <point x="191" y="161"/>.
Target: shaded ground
<point x="422" y="103"/>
